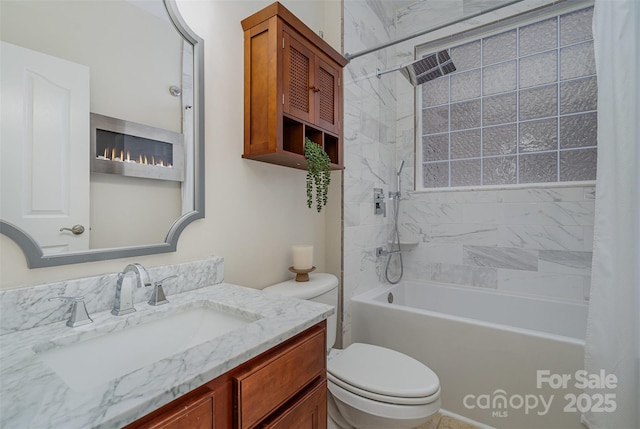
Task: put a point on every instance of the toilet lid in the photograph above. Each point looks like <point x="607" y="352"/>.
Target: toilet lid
<point x="383" y="372"/>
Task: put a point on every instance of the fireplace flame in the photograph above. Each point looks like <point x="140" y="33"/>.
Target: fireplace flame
<point x="111" y="154"/>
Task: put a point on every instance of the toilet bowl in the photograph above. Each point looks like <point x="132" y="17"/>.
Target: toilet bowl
<point x="374" y="387"/>
<point x="369" y="386"/>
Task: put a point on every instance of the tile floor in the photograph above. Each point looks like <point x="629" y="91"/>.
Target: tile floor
<point x="445" y="422"/>
<point x="437" y="422"/>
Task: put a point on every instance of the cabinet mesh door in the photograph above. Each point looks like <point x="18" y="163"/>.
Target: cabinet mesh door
<point x="327" y="95"/>
<point x="299" y="80"/>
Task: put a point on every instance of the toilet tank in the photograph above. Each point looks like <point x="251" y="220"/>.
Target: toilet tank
<point x="321" y="287"/>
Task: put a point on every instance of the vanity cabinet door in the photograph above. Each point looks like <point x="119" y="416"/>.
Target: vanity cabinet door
<point x="265" y="387"/>
<point x="309" y="412"/>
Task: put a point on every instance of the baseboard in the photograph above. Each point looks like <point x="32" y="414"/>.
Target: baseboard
<point x="465" y="419"/>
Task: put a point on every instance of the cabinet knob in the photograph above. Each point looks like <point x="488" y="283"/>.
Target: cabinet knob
<point x="314" y="88"/>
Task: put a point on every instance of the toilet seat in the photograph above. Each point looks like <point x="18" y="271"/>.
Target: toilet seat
<point x="347" y="402"/>
<point x="395" y="400"/>
<point x="383" y="375"/>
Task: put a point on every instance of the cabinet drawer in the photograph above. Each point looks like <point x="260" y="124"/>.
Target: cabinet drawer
<point x="194" y="414"/>
<point x="309" y="412"/>
<point x="267" y="386"/>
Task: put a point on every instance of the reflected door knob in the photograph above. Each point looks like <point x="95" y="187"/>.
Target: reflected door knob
<point x="75" y="229"/>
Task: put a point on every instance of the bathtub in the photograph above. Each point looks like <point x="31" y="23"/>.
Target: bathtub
<point x="505" y="361"/>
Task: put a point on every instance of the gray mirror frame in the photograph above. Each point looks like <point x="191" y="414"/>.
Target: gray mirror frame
<point x="33" y="253"/>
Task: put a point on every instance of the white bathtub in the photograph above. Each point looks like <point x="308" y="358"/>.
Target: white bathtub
<point x="498" y="356"/>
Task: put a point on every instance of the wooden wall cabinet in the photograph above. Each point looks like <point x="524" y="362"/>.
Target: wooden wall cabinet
<point x="292" y="90"/>
<point x="283" y="388"/>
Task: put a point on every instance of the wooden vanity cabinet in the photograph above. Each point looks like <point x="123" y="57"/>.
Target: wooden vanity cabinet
<point x="268" y="384"/>
<point x="292" y="90"/>
<point x="282" y="388"/>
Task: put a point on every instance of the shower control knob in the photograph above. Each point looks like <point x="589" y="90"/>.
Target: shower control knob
<point x="75" y="229"/>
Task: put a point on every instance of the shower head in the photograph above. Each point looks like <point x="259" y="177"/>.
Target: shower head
<point x="401" y="167"/>
<point x="425" y="69"/>
<point x="428" y="68"/>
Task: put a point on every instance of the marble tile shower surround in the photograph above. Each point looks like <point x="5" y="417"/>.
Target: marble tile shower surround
<point x="369" y="135"/>
<point x="534" y="241"/>
<point x="26" y="308"/>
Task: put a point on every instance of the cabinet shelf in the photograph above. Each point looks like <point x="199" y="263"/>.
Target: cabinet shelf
<point x="292" y="88"/>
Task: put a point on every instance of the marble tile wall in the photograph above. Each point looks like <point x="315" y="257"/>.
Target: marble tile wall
<point x="534" y="241"/>
<point x="370" y="147"/>
<point x="25" y="308"/>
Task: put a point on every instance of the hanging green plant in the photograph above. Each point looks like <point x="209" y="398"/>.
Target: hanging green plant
<point x="318" y="173"/>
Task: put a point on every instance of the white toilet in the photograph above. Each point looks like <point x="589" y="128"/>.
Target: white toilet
<point x="370" y="387"/>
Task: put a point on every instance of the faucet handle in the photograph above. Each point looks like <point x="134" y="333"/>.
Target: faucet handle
<point x="79" y="315"/>
<point x="157" y="296"/>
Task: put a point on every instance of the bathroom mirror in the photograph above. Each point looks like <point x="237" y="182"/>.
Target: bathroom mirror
<point x="77" y="74"/>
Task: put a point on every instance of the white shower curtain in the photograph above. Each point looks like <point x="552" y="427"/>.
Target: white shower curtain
<point x="613" y="329"/>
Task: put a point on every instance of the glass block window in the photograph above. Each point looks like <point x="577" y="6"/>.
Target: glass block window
<point x="520" y="108"/>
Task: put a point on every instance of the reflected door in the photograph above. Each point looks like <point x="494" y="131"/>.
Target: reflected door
<point x="47" y="126"/>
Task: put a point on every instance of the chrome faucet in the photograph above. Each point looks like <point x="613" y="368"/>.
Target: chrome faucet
<point x="123" y="303"/>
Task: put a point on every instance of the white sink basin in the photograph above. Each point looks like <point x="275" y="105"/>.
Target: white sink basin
<point x="89" y="363"/>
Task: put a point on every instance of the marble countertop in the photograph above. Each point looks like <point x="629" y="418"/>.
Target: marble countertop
<point x="33" y="396"/>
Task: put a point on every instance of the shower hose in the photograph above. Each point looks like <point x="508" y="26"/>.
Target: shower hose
<point x="395" y="243"/>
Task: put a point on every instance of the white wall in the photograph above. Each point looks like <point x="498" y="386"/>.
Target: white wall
<point x="254" y="211"/>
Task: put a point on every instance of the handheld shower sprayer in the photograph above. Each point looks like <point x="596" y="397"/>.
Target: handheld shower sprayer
<point x="395" y="246"/>
<point x="398" y="192"/>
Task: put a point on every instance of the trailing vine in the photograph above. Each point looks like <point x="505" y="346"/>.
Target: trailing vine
<point x="318" y="173"/>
